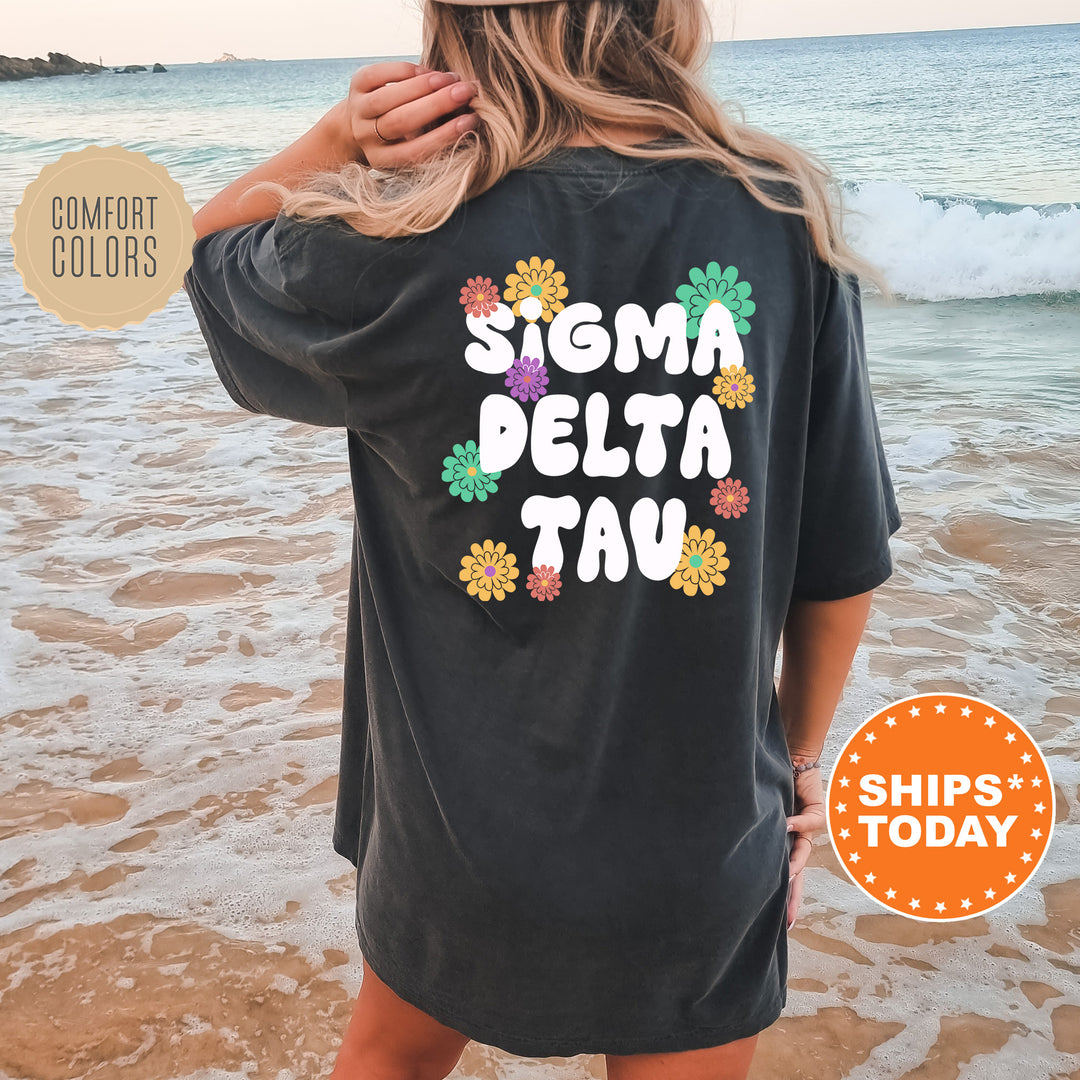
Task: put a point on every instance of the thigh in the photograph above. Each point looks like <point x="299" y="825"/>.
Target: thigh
<point x="731" y="1061"/>
<point x="388" y="1037"/>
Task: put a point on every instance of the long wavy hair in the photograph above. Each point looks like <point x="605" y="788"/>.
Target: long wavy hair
<point x="551" y="72"/>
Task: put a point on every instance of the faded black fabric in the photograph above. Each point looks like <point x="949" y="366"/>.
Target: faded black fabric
<point x="568" y="814"/>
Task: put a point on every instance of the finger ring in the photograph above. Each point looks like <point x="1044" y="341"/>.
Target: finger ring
<point x="379" y="133"/>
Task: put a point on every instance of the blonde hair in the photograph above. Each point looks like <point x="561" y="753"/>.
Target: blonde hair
<point x="549" y="72"/>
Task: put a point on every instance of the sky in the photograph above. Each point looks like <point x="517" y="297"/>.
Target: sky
<point x="149" y="31"/>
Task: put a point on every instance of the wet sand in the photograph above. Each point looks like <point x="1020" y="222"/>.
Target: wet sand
<point x="174" y="619"/>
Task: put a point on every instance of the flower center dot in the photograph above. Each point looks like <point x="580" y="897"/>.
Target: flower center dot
<point x="471" y="470"/>
<point x="544" y="583"/>
<point x="735" y="387"/>
<point x="536" y="290"/>
<point x="527" y="378"/>
<point x="489" y="571"/>
<point x="695" y="560"/>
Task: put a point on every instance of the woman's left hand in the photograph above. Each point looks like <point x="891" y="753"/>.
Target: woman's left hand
<point x="808" y="820"/>
<point x="405" y="99"/>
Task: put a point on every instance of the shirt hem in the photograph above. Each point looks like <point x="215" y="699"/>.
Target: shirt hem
<point x="213" y="345"/>
<point x="564" y="1044"/>
<point x="339" y="845"/>
<point x="869" y="579"/>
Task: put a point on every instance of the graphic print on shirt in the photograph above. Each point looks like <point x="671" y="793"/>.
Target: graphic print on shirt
<point x="712" y="310"/>
<point x="462" y="471"/>
<point x="490" y="570"/>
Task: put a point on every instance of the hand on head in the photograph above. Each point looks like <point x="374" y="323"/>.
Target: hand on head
<point x="399" y="112"/>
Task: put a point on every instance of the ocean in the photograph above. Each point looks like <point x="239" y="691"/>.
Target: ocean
<point x="175" y="586"/>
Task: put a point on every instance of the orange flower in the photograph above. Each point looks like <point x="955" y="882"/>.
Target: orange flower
<point x="489" y="570"/>
<point x="538" y="279"/>
<point x="734" y="387"/>
<point x="701" y="563"/>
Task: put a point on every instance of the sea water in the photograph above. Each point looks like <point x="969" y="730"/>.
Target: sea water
<point x="175" y="570"/>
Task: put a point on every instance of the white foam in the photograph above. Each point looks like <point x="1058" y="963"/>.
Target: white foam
<point x="945" y="249"/>
<point x="237" y="874"/>
<point x="923" y="447"/>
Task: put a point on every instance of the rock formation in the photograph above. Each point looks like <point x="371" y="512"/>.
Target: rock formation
<point x="14" y="67"/>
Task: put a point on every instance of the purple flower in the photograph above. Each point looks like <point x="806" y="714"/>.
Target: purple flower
<point x="527" y="379"/>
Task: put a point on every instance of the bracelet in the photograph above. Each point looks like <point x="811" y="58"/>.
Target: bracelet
<point x="796" y="769"/>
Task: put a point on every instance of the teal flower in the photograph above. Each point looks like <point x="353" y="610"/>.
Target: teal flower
<point x="462" y="471"/>
<point x="711" y="286"/>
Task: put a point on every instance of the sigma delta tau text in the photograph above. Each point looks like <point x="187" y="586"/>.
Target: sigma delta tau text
<point x="576" y="342"/>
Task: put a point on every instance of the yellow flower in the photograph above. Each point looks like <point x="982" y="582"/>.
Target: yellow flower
<point x="734" y="387"/>
<point x="701" y="562"/>
<point x="537" y="279"/>
<point x="489" y="570"/>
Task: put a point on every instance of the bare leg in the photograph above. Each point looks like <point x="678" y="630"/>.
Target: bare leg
<point x="728" y="1062"/>
<point x="389" y="1039"/>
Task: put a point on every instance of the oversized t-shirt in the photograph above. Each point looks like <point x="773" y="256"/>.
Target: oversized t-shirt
<point x="603" y="425"/>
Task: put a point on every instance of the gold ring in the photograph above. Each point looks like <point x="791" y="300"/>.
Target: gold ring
<point x="379" y="133"/>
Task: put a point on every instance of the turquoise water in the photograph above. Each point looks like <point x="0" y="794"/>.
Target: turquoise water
<point x="959" y="154"/>
<point x="958" y="151"/>
<point x="982" y="114"/>
<point x="179" y="566"/>
<point x="960" y="147"/>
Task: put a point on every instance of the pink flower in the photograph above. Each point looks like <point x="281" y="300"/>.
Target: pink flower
<point x="730" y="498"/>
<point x="480" y="297"/>
<point x="544" y="583"/>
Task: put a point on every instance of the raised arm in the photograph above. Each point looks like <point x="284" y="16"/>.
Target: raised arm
<point x="404" y="97"/>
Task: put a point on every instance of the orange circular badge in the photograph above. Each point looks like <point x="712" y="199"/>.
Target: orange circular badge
<point x="940" y="807"/>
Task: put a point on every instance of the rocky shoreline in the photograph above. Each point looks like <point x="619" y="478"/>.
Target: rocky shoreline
<point x="14" y="67"/>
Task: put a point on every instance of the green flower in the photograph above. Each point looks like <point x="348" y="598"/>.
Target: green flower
<point x="710" y="286"/>
<point x="462" y="471"/>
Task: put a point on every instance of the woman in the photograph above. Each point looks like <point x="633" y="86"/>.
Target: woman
<point x="597" y="349"/>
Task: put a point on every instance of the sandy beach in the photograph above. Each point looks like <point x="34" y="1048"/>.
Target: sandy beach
<point x="174" y="594"/>
<point x="170" y="905"/>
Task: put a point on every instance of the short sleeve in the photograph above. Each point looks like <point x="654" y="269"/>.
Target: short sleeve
<point x="244" y="284"/>
<point x="849" y="507"/>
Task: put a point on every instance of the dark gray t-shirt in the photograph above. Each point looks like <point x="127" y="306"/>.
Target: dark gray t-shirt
<point x="603" y="425"/>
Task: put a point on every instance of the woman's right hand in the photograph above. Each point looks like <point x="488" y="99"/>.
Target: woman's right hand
<point x="405" y="98"/>
<point x="808" y="820"/>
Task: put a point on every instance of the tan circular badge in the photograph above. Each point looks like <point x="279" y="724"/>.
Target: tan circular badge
<point x="103" y="237"/>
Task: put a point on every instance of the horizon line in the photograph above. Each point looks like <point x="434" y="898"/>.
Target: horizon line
<point x="715" y="41"/>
